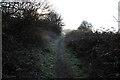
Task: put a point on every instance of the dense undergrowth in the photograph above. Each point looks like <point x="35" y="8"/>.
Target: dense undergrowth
<point x="77" y="68"/>
<point x="29" y="46"/>
<point x="27" y="38"/>
<point x="99" y="53"/>
<point x="21" y="62"/>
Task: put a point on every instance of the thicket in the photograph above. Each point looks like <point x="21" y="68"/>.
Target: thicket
<point x="26" y="35"/>
<point x="22" y="21"/>
<point x="98" y="52"/>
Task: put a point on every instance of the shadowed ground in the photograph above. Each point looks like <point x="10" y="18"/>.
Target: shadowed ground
<point x="62" y="69"/>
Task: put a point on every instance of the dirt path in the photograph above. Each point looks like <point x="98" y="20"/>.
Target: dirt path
<point x="62" y="70"/>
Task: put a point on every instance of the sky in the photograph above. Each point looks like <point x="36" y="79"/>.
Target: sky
<point x="97" y="12"/>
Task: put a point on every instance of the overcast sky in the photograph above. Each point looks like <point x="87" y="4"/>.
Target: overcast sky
<point x="98" y="12"/>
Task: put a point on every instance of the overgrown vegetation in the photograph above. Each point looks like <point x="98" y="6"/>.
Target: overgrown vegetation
<point x="76" y="65"/>
<point x="29" y="46"/>
<point x="99" y="52"/>
<point x="27" y="37"/>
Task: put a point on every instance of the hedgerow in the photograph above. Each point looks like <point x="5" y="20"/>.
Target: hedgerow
<point x="99" y="52"/>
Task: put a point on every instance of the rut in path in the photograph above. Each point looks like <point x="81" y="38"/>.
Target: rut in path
<point x="62" y="69"/>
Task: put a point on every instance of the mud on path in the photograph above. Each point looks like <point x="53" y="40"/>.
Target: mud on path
<point x="62" y="69"/>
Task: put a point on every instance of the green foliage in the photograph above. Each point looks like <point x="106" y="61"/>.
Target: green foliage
<point x="85" y="26"/>
<point x="25" y="36"/>
<point x="77" y="66"/>
<point x="46" y="63"/>
<point x="22" y="21"/>
<point x="99" y="52"/>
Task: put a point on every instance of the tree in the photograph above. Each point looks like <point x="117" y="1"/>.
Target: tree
<point x="85" y="26"/>
<point x="23" y="29"/>
<point x="55" y="22"/>
<point x="21" y="20"/>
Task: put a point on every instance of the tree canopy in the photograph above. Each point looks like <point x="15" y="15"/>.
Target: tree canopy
<point x="85" y="26"/>
<point x="22" y="21"/>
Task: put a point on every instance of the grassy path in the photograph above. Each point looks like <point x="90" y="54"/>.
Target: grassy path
<point x="60" y="62"/>
<point x="63" y="66"/>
